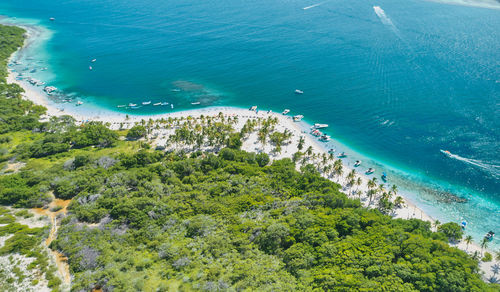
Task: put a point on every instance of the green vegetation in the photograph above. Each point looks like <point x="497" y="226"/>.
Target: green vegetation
<point x="147" y="220"/>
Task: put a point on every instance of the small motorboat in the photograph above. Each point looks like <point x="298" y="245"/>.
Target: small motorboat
<point x="253" y="108"/>
<point x="157" y="104"/>
<point x="446" y="152"/>
<point x="52" y="19"/>
<point x="384" y="176"/>
<point x="135" y="107"/>
<point x="172" y="105"/>
<point x="489" y="236"/>
<point x="331" y="151"/>
<point x="121" y="105"/>
<point x="320" y="126"/>
<point x="146" y="102"/>
<point x="342" y="155"/>
<point x="176" y="90"/>
<point x="93" y="60"/>
<point x="132" y="104"/>
<point x="196" y="103"/>
<point x="286" y="111"/>
<point x="316" y="133"/>
<point x="370" y="171"/>
<point x="79" y="103"/>
<point x="463" y="224"/>
<point x="325" y="138"/>
<point x="298" y="91"/>
<point x="90" y="68"/>
<point x="164" y="103"/>
<point x="357" y="163"/>
<point x="298" y="118"/>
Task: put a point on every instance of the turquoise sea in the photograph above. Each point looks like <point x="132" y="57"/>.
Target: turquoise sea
<point x="397" y="81"/>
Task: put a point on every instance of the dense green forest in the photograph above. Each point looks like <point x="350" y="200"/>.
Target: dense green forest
<point x="146" y="220"/>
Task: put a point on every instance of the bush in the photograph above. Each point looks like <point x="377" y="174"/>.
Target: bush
<point x="487" y="257"/>
<point x="262" y="159"/>
<point x="136" y="132"/>
<point x="452" y="230"/>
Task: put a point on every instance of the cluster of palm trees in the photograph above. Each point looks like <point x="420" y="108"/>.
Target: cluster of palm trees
<point x="333" y="168"/>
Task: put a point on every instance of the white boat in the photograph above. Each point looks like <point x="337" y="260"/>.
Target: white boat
<point x="298" y="118"/>
<point x="164" y="103"/>
<point x="320" y="126"/>
<point x="121" y="105"/>
<point x="79" y="103"/>
<point x="342" y="155"/>
<point x="146" y="102"/>
<point x="157" y="104"/>
<point x="253" y="108"/>
<point x="298" y="91"/>
<point x="93" y="60"/>
<point x="370" y="171"/>
<point x="358" y="163"/>
<point x="172" y="105"/>
<point x="286" y="111"/>
<point x="52" y="19"/>
<point x="90" y="68"/>
<point x="196" y="103"/>
<point x="176" y="90"/>
<point x="132" y="104"/>
<point x="325" y="138"/>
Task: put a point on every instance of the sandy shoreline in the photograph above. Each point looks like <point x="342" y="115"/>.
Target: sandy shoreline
<point x="118" y="120"/>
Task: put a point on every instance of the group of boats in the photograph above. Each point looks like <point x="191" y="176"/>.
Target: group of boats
<point x="488" y="236"/>
<point x="136" y="106"/>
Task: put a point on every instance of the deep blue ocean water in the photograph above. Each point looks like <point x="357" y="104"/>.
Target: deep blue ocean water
<point x="396" y="83"/>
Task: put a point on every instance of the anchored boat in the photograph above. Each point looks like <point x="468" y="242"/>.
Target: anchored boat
<point x="320" y="126"/>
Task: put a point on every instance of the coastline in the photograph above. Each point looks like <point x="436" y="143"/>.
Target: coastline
<point x="86" y="113"/>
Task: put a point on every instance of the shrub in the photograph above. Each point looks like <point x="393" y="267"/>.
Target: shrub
<point x="136" y="132"/>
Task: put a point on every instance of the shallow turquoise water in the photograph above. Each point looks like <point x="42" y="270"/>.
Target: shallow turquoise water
<point x="396" y="83"/>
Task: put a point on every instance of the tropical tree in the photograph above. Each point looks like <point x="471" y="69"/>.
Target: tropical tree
<point x="468" y="240"/>
<point x="484" y="245"/>
<point x="300" y="146"/>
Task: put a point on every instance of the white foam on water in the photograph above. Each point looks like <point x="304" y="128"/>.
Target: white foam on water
<point x="488" y="167"/>
<point x="491" y="4"/>
<point x="385" y="19"/>
<point x="314" y="5"/>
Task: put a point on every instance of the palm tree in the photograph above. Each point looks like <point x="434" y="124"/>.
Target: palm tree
<point x="495" y="269"/>
<point x="399" y="202"/>
<point x="300" y="146"/>
<point x="468" y="240"/>
<point x="484" y="245"/>
<point x="394" y="189"/>
<point x="309" y="151"/>
<point x="370" y="195"/>
<point x="497" y="255"/>
<point x="436" y="224"/>
<point x="359" y="181"/>
<point x="371" y="183"/>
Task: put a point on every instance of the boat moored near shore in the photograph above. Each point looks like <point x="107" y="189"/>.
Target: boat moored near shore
<point x="286" y="111"/>
<point x="370" y="171"/>
<point x="358" y="163"/>
<point x="298" y="118"/>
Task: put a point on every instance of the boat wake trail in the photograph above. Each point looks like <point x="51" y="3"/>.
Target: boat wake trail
<point x="488" y="167"/>
<point x="385" y="19"/>
<point x="314" y="5"/>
